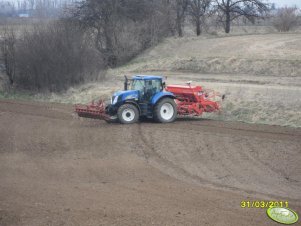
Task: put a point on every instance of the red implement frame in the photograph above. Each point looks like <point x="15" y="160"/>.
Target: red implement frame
<point x="93" y="110"/>
<point x="193" y="100"/>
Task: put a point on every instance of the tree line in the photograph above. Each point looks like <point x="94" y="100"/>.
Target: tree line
<point x="94" y="35"/>
<point x="146" y="22"/>
<point x="33" y="8"/>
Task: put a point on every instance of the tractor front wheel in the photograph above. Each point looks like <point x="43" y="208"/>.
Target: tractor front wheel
<point x="165" y="111"/>
<point x="128" y="113"/>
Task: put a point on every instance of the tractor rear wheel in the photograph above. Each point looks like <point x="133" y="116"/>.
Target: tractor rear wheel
<point x="165" y="111"/>
<point x="128" y="113"/>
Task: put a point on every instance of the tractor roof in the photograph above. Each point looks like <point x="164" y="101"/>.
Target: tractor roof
<point x="147" y="77"/>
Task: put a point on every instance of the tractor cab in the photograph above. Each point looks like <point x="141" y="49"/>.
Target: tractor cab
<point x="147" y="86"/>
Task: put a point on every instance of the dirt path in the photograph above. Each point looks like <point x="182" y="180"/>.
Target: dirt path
<point x="56" y="169"/>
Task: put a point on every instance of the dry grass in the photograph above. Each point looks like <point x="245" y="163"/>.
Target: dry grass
<point x="261" y="75"/>
<point x="270" y="54"/>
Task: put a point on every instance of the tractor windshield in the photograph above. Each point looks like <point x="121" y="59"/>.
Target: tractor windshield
<point x="137" y="85"/>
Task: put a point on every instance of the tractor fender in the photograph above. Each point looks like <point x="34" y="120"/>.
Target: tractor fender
<point x="133" y="102"/>
<point x="161" y="95"/>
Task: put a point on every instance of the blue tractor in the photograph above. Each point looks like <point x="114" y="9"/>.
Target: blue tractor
<point x="143" y="96"/>
<point x="146" y="96"/>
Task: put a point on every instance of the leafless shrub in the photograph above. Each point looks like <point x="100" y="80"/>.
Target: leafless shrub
<point x="50" y="57"/>
<point x="285" y="19"/>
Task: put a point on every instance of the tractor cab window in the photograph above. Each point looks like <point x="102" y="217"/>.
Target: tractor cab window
<point x="147" y="88"/>
<point x="157" y="86"/>
<point x="152" y="87"/>
<point x="137" y="85"/>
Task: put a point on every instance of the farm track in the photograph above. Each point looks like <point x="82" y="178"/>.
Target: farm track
<point x="56" y="169"/>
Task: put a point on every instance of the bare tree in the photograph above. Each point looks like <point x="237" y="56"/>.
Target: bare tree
<point x="181" y="7"/>
<point x="229" y="10"/>
<point x="101" y="16"/>
<point x="114" y="23"/>
<point x="8" y="45"/>
<point x="285" y="19"/>
<point x="197" y="11"/>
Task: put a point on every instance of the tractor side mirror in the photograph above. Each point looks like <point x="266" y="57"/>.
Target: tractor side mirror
<point x="163" y="85"/>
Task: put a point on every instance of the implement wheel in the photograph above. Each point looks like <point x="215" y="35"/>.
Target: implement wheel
<point x="165" y="111"/>
<point x="128" y="114"/>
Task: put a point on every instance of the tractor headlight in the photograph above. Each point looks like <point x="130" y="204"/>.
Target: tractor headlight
<point x="115" y="100"/>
